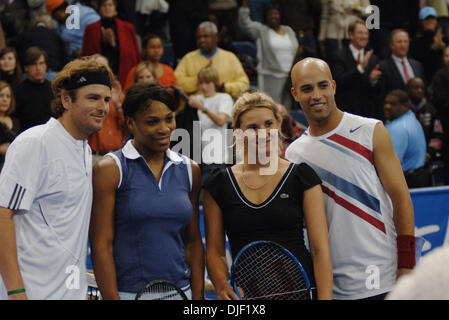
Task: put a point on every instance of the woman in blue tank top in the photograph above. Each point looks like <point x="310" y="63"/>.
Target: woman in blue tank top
<point x="145" y="219"/>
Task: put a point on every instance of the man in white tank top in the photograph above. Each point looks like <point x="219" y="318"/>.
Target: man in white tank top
<point x="368" y="207"/>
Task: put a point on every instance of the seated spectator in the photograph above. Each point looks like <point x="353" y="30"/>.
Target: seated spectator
<point x="10" y="69"/>
<point x="398" y="69"/>
<point x="428" y="116"/>
<point x="73" y="37"/>
<point x="9" y="125"/>
<point x="43" y="35"/>
<point x="114" y="38"/>
<point x="278" y="49"/>
<point x="112" y="134"/>
<point x="34" y="94"/>
<point x="230" y="70"/>
<point x="428" y="45"/>
<point x="153" y="52"/>
<point x="408" y="138"/>
<point x="214" y="112"/>
<point x="143" y="73"/>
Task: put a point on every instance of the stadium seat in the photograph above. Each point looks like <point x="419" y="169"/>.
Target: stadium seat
<point x="245" y="48"/>
<point x="246" y="51"/>
<point x="169" y="55"/>
<point x="299" y="116"/>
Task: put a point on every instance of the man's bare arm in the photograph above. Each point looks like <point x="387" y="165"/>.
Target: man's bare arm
<point x="9" y="264"/>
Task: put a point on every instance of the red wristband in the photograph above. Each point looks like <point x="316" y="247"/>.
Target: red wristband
<point x="406" y="251"/>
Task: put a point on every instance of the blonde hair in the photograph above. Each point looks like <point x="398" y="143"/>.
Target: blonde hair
<point x="250" y="100"/>
<point x="12" y="104"/>
<point x="144" y="65"/>
<point x="71" y="69"/>
<point x="208" y="74"/>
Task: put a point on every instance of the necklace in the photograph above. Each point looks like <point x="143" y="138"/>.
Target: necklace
<point x="257" y="187"/>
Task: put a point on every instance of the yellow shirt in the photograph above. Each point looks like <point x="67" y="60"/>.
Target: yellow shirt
<point x="230" y="71"/>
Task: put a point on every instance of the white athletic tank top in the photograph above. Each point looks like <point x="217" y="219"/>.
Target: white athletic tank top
<point x="362" y="236"/>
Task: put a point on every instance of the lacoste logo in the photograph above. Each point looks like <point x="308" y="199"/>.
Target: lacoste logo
<point x="82" y="79"/>
<point x="355" y="129"/>
<point x="284" y="196"/>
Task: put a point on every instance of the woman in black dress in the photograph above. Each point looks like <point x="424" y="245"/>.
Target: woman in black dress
<point x="264" y="198"/>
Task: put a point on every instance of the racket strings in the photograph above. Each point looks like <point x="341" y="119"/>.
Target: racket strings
<point x="161" y="291"/>
<point x="266" y="272"/>
<point x="280" y="295"/>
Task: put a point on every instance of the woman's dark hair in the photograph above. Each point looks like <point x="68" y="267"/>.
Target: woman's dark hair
<point x="140" y="96"/>
<point x="17" y="75"/>
<point x="146" y="40"/>
<point x="269" y="7"/>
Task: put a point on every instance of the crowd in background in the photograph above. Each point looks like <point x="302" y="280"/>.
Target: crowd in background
<point x="398" y="73"/>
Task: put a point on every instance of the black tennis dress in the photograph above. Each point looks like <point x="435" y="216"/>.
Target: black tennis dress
<point x="279" y="218"/>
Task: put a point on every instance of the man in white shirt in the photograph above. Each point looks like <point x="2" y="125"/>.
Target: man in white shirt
<point x="46" y="185"/>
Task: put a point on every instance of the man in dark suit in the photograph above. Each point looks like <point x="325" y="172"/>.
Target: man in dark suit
<point x="356" y="70"/>
<point x="398" y="69"/>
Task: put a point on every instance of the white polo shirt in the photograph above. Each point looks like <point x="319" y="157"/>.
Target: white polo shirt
<point x="47" y="177"/>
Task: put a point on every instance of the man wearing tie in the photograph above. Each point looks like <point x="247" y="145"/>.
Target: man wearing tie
<point x="356" y="70"/>
<point x="398" y="69"/>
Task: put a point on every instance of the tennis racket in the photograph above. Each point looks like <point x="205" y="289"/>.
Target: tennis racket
<point x="264" y="270"/>
<point x="161" y="290"/>
<point x="93" y="293"/>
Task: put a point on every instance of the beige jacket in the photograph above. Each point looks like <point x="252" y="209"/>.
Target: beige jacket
<point x="336" y="16"/>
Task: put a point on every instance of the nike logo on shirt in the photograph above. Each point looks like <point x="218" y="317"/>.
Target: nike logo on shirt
<point x="355" y="129"/>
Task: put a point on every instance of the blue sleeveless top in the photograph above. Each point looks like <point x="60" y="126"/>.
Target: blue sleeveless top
<point x="150" y="219"/>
